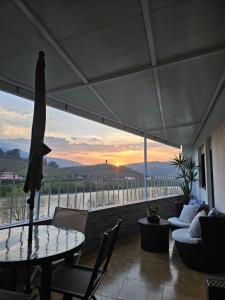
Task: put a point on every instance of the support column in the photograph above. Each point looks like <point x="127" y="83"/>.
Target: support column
<point x="145" y="170"/>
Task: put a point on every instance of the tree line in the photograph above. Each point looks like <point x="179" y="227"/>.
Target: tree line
<point x="16" y="153"/>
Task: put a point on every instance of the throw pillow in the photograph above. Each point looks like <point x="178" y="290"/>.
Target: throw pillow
<point x="188" y="213"/>
<point x="195" y="229"/>
<point x="213" y="212"/>
<point x="195" y="201"/>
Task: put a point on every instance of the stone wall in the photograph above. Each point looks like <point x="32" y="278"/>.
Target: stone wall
<point x="100" y="220"/>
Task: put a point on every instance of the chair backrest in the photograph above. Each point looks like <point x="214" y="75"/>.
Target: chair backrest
<point x="212" y="231"/>
<point x="70" y="218"/>
<point x="104" y="254"/>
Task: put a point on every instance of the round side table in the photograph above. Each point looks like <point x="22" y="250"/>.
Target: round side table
<point x="154" y="236"/>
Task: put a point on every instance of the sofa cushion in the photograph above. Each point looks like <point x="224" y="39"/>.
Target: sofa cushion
<point x="183" y="236"/>
<point x="178" y="223"/>
<point x="188" y="213"/>
<point x="195" y="229"/>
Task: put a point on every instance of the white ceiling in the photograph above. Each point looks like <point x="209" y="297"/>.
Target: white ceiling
<point x="147" y="67"/>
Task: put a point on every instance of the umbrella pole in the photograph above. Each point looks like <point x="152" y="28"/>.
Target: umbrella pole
<point x="30" y="202"/>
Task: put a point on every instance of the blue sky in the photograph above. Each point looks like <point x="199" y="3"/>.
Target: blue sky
<point x="72" y="137"/>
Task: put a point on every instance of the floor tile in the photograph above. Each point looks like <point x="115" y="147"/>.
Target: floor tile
<point x="136" y="289"/>
<point x="137" y="274"/>
<point x="183" y="293"/>
<point x="110" y="286"/>
<point x="150" y="272"/>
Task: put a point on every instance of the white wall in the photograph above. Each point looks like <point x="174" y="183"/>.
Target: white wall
<point x="218" y="148"/>
<point x="214" y="129"/>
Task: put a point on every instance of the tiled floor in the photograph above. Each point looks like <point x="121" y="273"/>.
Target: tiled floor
<point x="136" y="274"/>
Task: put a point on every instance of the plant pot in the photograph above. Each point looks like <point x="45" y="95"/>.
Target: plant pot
<point x="153" y="219"/>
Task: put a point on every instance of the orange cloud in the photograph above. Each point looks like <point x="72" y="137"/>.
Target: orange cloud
<point x="120" y="157"/>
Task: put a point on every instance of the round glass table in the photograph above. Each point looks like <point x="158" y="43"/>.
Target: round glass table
<point x="49" y="244"/>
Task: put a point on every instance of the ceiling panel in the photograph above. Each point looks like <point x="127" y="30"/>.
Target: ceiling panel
<point x="158" y="4"/>
<point x="106" y="37"/>
<point x="20" y="43"/>
<point x="180" y="135"/>
<point x="21" y="68"/>
<point x="17" y="34"/>
<point x="102" y="37"/>
<point x="187" y="88"/>
<point x="83" y="97"/>
<point x="133" y="99"/>
<point x="70" y="18"/>
<point x="188" y="26"/>
<point x="111" y="49"/>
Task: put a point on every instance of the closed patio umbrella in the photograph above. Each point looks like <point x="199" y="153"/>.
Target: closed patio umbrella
<point x="37" y="148"/>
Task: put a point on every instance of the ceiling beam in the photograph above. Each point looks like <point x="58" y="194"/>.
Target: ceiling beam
<point x="176" y="126"/>
<point x="212" y="103"/>
<point x="124" y="74"/>
<point x="151" y="48"/>
<point x="61" y="52"/>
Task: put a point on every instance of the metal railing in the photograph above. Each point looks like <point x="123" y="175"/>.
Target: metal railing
<point x="80" y="191"/>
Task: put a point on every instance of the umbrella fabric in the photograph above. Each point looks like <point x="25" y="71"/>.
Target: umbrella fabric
<point x="37" y="149"/>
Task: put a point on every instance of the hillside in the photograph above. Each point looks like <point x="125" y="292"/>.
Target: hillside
<point x="19" y="166"/>
<point x="155" y="168"/>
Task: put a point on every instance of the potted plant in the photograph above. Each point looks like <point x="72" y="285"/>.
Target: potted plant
<point x="187" y="173"/>
<point x="153" y="214"/>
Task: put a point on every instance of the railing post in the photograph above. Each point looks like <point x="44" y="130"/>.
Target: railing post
<point x="59" y="195"/>
<point x="96" y="191"/>
<point x="24" y="210"/>
<point x="90" y="190"/>
<point x="118" y="186"/>
<point x="83" y="191"/>
<point x="113" y="189"/>
<point x="12" y="199"/>
<point x="75" y="192"/>
<point x="49" y="195"/>
<point x="103" y="191"/>
<point x="108" y="190"/>
<point x="127" y="188"/>
<point x="37" y="205"/>
<point x="68" y="195"/>
<point x="145" y="169"/>
<point x="123" y="187"/>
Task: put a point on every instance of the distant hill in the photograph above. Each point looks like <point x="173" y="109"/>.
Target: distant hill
<point x="19" y="166"/>
<point x="62" y="163"/>
<point x="155" y="168"/>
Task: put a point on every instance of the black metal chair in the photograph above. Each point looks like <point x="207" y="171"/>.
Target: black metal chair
<point x="81" y="281"/>
<point x="70" y="218"/>
<point x="8" y="295"/>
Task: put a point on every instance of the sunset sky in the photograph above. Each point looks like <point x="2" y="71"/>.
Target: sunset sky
<point x="74" y="138"/>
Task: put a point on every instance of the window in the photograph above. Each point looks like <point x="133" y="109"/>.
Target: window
<point x="202" y="174"/>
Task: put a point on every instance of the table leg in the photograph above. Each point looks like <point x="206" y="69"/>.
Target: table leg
<point x="45" y="290"/>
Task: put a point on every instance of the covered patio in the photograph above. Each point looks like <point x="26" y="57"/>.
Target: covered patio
<point x="152" y="68"/>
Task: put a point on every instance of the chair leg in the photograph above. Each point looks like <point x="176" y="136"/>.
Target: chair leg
<point x="93" y="297"/>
